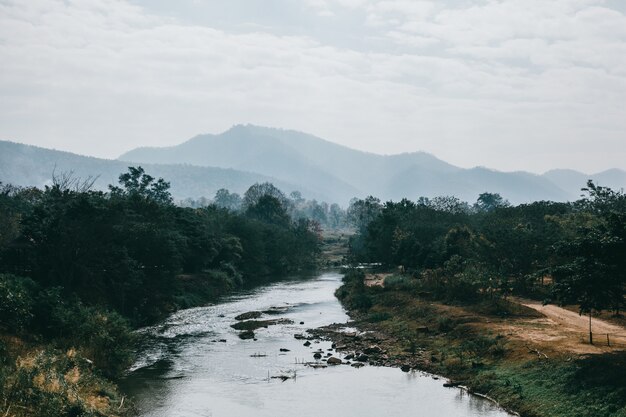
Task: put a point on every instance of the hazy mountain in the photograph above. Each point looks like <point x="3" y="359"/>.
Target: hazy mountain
<point x="293" y="160"/>
<point x="33" y="166"/>
<point x="573" y="181"/>
<point x="321" y="166"/>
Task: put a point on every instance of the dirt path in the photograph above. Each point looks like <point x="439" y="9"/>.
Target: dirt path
<point x="375" y="280"/>
<point x="562" y="329"/>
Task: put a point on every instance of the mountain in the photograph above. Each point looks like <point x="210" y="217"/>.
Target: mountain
<point x="323" y="166"/>
<point x="27" y="165"/>
<point x="292" y="161"/>
<point x="568" y="179"/>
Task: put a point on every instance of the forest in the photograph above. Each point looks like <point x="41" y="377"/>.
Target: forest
<point x="80" y="269"/>
<point x="491" y="295"/>
<point x="567" y="253"/>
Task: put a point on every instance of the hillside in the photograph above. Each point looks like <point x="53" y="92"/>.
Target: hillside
<point x="321" y="166"/>
<point x="293" y="160"/>
<point x="33" y="166"/>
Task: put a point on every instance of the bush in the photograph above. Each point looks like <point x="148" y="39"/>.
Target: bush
<point x="16" y="302"/>
<point x="103" y="336"/>
<point x="361" y="301"/>
<point x="378" y="317"/>
<point x="400" y="282"/>
<point x="106" y="338"/>
<point x="446" y="324"/>
<point x="51" y="383"/>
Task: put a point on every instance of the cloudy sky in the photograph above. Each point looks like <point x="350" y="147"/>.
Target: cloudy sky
<point x="508" y="84"/>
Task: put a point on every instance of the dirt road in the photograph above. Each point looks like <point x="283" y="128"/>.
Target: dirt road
<point x="562" y="329"/>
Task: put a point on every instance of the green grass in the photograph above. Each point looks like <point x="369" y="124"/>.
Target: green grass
<point x="461" y="349"/>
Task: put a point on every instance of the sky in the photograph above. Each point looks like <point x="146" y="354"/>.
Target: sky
<point x="508" y="84"/>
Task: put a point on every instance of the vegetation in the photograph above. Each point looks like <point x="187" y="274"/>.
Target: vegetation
<point x="455" y="267"/>
<point x="80" y="268"/>
<point x="562" y="252"/>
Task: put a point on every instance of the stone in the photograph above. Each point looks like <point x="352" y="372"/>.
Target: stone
<point x="249" y="315"/>
<point x="405" y="368"/>
<point x="307" y="343"/>
<point x="317" y="355"/>
<point x="246" y="334"/>
<point x="362" y="357"/>
<point x="334" y="361"/>
<point x="284" y="350"/>
<point x="371" y="350"/>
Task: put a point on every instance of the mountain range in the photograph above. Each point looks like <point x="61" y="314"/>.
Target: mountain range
<point x="293" y="160"/>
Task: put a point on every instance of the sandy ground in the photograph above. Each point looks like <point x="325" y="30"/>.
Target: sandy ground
<point x="564" y="330"/>
<point x="374" y="280"/>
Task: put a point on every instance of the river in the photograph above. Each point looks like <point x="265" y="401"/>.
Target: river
<point x="194" y="364"/>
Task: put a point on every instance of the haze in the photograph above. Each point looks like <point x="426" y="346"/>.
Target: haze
<point x="509" y="84"/>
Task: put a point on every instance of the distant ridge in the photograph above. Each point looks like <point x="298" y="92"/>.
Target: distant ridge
<point x="323" y="165"/>
<point x="294" y="160"/>
<point x="27" y="165"/>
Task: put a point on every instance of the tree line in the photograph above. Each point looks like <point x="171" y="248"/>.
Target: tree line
<point x="327" y="216"/>
<point x="80" y="268"/>
<point x="569" y="253"/>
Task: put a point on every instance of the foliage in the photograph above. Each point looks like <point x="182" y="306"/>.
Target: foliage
<point x="494" y="249"/>
<point x="80" y="268"/>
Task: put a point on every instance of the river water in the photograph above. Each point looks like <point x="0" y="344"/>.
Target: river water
<point x="194" y="364"/>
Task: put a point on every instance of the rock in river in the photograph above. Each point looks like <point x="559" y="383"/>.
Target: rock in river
<point x="249" y="315"/>
<point x="246" y="334"/>
<point x="334" y="361"/>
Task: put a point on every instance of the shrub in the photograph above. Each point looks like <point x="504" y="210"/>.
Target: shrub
<point x="446" y="324"/>
<point x="400" y="282"/>
<point x="51" y="383"/>
<point x="378" y="317"/>
<point x="361" y="301"/>
<point x="106" y="338"/>
<point x="16" y="302"/>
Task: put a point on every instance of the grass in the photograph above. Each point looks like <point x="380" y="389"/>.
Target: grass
<point x="38" y="380"/>
<point x="462" y="344"/>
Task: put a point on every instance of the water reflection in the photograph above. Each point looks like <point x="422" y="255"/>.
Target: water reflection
<point x="194" y="364"/>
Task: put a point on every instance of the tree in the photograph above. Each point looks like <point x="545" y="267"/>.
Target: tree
<point x="362" y="212"/>
<point x="593" y="271"/>
<point x="270" y="210"/>
<point x="225" y="199"/>
<point x="256" y="191"/>
<point x="488" y="202"/>
<point x="449" y="204"/>
<point x="137" y="184"/>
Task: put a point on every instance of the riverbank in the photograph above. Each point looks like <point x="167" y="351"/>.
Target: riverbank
<point x="481" y="346"/>
<point x="77" y="373"/>
<point x="195" y="363"/>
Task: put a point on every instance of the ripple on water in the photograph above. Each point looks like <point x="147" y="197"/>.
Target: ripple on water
<point x="184" y="370"/>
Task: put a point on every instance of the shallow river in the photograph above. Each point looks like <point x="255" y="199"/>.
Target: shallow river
<point x="185" y="370"/>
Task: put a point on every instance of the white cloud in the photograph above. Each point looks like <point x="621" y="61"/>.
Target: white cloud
<point x="511" y="84"/>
